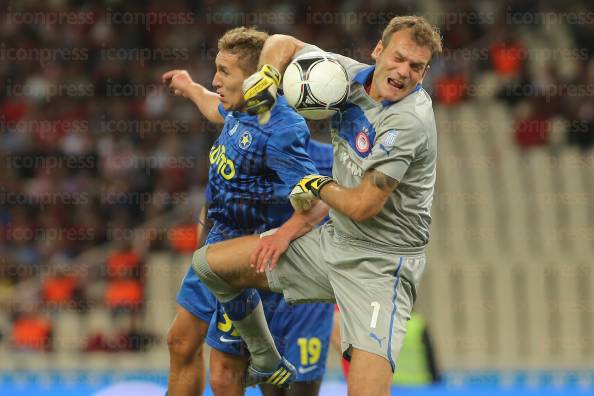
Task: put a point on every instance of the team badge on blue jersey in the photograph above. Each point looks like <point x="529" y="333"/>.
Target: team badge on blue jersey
<point x="389" y="141"/>
<point x="245" y="140"/>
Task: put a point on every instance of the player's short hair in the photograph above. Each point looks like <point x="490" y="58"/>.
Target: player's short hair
<point x="245" y="42"/>
<point x="421" y="31"/>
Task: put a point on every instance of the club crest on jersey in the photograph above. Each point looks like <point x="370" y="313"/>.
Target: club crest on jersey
<point x="362" y="142"/>
<point x="245" y="140"/>
<point x="389" y="141"/>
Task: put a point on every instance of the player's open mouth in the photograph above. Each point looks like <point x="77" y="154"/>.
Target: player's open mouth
<point x="395" y="84"/>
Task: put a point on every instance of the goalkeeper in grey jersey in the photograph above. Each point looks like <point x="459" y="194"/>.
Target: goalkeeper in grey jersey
<point x="369" y="258"/>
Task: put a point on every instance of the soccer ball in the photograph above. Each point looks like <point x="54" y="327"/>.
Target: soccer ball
<point x="316" y="85"/>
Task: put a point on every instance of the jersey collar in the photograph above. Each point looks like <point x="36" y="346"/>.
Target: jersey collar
<point x="363" y="75"/>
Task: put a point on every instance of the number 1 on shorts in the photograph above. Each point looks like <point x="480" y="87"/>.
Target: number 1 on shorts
<point x="376" y="307"/>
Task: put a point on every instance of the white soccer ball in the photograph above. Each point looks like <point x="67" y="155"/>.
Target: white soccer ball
<point x="316" y="85"/>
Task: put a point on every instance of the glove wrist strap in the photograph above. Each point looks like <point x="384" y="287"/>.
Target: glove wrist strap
<point x="271" y="72"/>
<point x="323" y="182"/>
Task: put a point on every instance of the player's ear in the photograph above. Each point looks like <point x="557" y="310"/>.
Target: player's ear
<point x="377" y="51"/>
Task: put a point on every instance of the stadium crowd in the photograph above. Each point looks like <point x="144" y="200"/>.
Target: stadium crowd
<point x="92" y="145"/>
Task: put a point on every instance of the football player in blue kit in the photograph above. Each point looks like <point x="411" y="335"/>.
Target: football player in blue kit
<point x="252" y="170"/>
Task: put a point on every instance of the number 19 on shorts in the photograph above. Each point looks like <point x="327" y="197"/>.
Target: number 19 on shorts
<point x="311" y="348"/>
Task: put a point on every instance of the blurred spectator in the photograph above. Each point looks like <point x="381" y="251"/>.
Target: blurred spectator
<point x="184" y="238"/>
<point x="124" y="295"/>
<point x="532" y="127"/>
<point x="32" y="332"/>
<point x="578" y="109"/>
<point x="61" y="290"/>
<point x="123" y="264"/>
<point x="507" y="57"/>
<point x="125" y="290"/>
<point x="451" y="89"/>
<point x="581" y="125"/>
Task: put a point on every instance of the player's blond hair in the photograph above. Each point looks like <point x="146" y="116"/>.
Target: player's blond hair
<point x="421" y="31"/>
<point x="245" y="42"/>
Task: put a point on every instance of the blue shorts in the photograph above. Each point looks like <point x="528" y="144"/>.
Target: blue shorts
<point x="301" y="333"/>
<point x="193" y="296"/>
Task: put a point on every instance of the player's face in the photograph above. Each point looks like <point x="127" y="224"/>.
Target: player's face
<point x="228" y="80"/>
<point x="399" y="67"/>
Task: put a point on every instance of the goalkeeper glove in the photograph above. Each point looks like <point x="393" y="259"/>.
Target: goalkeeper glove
<point x="259" y="92"/>
<point x="307" y="190"/>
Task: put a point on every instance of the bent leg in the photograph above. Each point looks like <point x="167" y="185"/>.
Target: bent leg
<point x="224" y="269"/>
<point x="185" y="339"/>
<point x="230" y="260"/>
<point x="369" y="375"/>
<point x="226" y="373"/>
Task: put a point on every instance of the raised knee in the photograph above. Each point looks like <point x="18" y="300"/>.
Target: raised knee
<point x="199" y="263"/>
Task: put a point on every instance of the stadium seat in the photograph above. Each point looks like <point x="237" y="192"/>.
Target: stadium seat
<point x="68" y="331"/>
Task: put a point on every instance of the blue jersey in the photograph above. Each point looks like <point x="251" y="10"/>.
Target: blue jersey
<point x="253" y="169"/>
<point x="321" y="154"/>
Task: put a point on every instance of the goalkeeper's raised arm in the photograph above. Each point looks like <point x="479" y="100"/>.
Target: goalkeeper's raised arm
<point x="259" y="89"/>
<point x="278" y="51"/>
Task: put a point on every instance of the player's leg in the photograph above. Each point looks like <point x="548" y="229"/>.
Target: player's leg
<point x="226" y="373"/>
<point x="186" y="334"/>
<point x="228" y="358"/>
<point x="185" y="339"/>
<point x="230" y="260"/>
<point x="369" y="375"/>
<point x="224" y="268"/>
<point x="335" y="337"/>
<point x="335" y="341"/>
<point x="375" y="291"/>
<point x="302" y="333"/>
<point x="195" y="307"/>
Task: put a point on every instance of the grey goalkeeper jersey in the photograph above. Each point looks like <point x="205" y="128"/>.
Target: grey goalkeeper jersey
<point x="398" y="139"/>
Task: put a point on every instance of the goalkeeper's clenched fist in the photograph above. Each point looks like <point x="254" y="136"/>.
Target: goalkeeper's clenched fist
<point x="307" y="190"/>
<point x="259" y="92"/>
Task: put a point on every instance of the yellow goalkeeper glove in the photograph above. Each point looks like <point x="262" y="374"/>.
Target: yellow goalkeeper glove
<point x="259" y="92"/>
<point x="307" y="190"/>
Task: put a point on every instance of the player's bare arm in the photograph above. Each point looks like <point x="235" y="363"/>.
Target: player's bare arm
<point x="278" y="51"/>
<point x="207" y="102"/>
<point x="273" y="245"/>
<point x="259" y="89"/>
<point x="364" y="201"/>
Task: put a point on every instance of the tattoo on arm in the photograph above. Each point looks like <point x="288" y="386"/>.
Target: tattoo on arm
<point x="382" y="181"/>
